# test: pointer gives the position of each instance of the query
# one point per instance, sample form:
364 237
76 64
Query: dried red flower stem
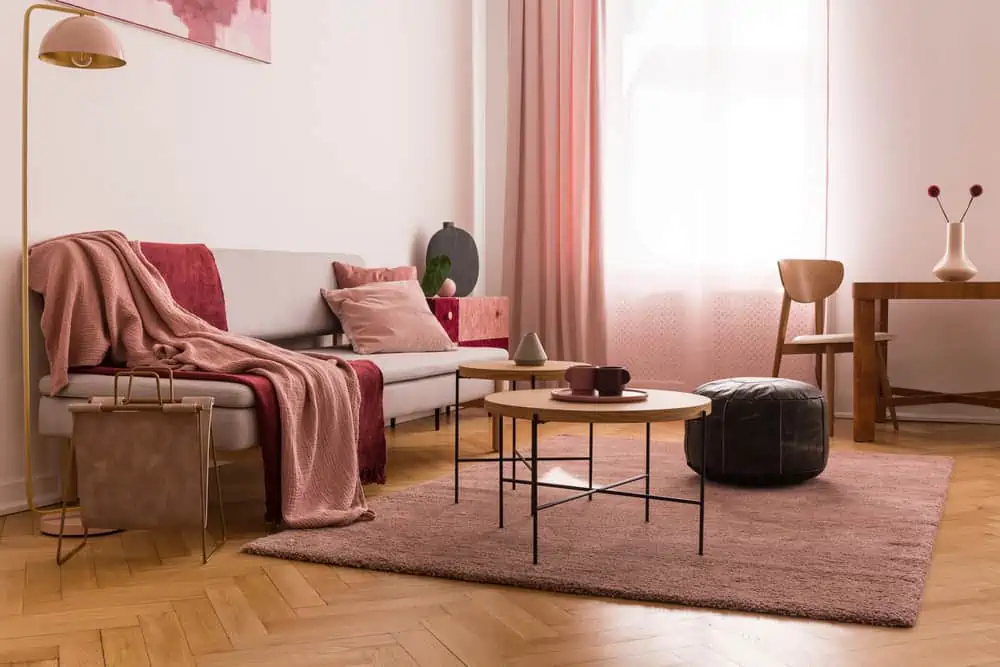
974 192
962 219
937 198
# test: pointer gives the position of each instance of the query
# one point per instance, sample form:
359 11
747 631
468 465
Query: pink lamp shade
81 42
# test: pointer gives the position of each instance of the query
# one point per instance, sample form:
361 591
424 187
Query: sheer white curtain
715 145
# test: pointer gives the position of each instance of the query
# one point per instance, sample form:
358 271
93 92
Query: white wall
358 138
915 100
496 141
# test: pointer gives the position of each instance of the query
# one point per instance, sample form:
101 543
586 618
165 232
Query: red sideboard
473 321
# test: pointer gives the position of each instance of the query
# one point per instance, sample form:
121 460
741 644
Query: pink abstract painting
242 27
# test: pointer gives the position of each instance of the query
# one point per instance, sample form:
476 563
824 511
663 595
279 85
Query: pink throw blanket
105 300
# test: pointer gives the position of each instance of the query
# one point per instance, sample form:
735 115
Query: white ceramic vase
955 265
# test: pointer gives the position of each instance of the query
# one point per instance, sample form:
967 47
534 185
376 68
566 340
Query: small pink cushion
349 275
388 317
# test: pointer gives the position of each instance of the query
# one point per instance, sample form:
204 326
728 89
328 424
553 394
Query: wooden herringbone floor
145 599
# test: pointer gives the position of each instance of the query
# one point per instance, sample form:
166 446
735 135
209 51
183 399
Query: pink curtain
714 156
553 271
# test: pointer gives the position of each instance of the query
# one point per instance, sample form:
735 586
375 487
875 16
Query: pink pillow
349 275
388 317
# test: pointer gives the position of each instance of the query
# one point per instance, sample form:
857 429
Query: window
715 136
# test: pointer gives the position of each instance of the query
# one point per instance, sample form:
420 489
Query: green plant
437 270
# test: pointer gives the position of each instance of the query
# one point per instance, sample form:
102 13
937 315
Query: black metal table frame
500 459
607 489
583 492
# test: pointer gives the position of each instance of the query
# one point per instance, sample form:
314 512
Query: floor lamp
79 42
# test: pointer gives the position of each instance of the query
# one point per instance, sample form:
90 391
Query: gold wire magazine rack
138 458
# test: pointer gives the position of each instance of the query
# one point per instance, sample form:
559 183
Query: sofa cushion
349 275
386 317
85 385
235 429
395 367
405 366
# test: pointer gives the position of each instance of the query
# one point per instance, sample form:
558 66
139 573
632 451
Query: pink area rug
852 545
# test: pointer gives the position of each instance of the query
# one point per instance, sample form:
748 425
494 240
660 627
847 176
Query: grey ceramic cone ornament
530 351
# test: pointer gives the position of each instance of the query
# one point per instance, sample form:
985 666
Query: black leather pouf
762 432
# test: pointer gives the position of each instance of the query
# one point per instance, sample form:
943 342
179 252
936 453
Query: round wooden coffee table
538 406
500 372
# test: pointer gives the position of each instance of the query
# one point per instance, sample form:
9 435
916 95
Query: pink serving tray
628 396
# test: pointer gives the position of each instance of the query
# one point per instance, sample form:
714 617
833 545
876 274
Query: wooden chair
813 281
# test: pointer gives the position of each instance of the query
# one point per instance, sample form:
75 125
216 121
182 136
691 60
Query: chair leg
831 384
819 370
777 364
885 386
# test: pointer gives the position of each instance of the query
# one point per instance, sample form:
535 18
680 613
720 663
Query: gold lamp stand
78 42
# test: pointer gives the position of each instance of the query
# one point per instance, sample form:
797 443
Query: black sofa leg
392 422
437 419
447 411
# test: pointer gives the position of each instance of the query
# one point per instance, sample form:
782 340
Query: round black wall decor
460 247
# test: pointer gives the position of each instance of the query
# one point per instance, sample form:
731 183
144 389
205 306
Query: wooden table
868 319
539 406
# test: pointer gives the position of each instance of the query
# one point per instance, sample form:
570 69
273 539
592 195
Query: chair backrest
810 280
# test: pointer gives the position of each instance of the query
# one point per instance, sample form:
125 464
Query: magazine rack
143 464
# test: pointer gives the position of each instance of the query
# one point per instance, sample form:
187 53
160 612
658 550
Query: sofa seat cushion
395 367
85 385
405 366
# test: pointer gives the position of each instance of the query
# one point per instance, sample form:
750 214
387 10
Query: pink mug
582 379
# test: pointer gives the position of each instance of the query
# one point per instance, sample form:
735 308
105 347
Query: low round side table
500 372
539 406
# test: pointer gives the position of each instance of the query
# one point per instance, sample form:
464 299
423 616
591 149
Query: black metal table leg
499 427
513 445
457 378
647 472
534 487
701 483
590 461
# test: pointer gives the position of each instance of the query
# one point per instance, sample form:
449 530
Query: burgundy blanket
193 278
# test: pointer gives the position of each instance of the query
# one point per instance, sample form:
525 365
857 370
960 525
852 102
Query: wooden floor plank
202 628
124 647
79 573
165 641
110 566
264 597
293 586
237 617
426 649
393 656
42 583
139 550
314 652
463 641
511 615
11 592
85 650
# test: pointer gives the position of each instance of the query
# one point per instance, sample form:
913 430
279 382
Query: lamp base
48 524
